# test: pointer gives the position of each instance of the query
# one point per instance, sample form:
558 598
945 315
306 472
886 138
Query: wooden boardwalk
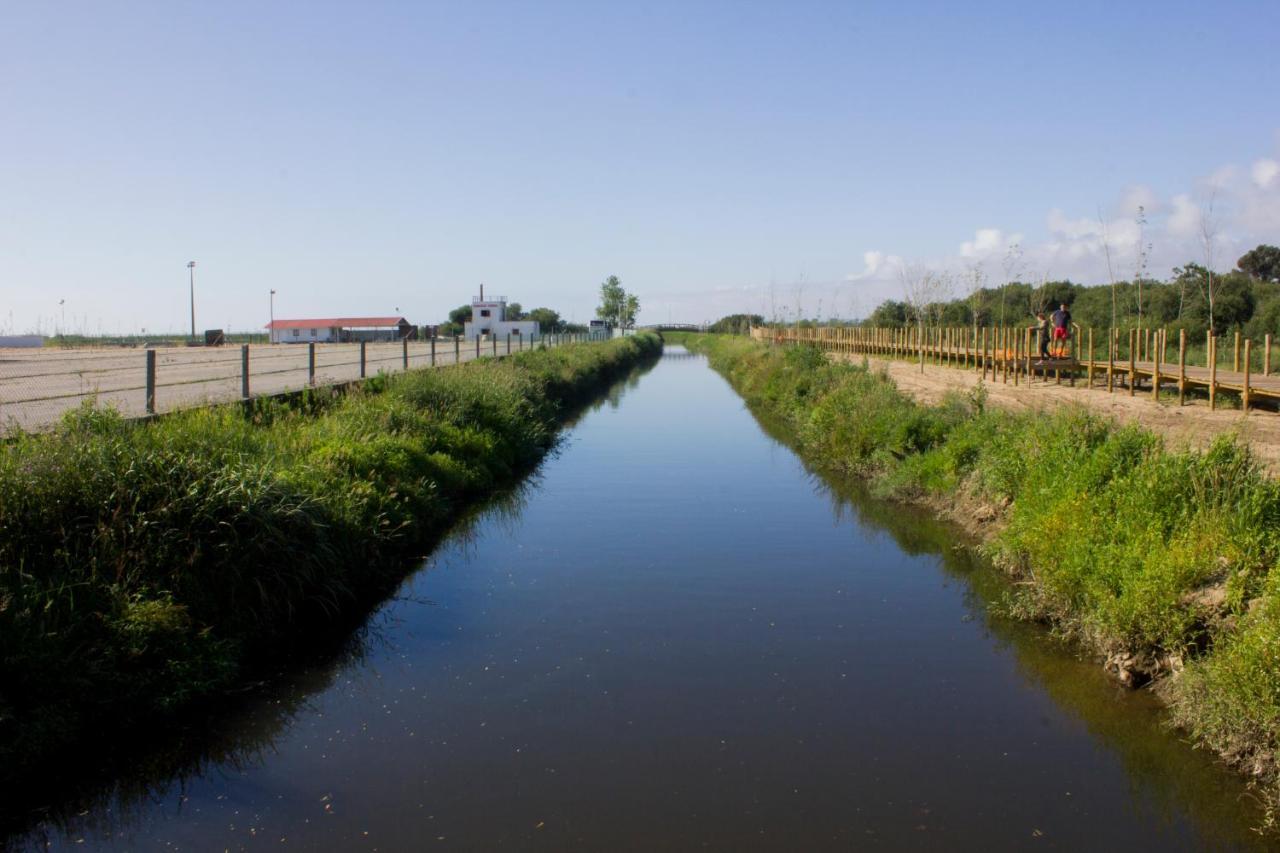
1009 356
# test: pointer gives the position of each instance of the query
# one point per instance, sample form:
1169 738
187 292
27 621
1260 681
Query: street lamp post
191 268
271 327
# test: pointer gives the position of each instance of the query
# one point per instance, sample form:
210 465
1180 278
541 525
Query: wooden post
404 352
1155 372
1089 374
151 382
1208 348
457 348
433 350
1112 343
311 363
1244 398
477 346
1004 356
244 371
1213 372
493 344
1236 354
1182 367
1133 345
363 358
1266 356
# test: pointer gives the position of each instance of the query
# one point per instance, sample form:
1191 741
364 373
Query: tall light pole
191 268
271 327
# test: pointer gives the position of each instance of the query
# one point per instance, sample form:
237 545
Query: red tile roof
340 322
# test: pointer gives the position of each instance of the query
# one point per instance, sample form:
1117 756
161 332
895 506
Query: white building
340 330
489 319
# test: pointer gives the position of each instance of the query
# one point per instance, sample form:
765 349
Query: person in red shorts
1061 330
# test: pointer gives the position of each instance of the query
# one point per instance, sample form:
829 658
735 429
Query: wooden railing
1133 357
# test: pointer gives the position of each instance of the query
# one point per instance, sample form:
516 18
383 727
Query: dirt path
1190 425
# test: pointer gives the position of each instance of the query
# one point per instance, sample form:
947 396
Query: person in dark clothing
1041 329
1061 330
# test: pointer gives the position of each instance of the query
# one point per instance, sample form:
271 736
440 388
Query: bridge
676 327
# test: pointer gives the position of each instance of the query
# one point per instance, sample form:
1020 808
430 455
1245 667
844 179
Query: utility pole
191 268
271 327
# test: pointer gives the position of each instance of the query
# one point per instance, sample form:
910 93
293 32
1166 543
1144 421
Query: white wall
318 335
501 328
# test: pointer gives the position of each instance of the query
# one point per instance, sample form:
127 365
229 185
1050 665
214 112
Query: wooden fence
1131 358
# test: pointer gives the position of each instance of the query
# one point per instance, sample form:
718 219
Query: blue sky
360 158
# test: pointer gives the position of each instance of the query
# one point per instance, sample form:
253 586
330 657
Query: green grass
143 566
1162 558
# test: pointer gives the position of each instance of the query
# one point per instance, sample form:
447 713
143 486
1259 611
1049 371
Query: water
677 637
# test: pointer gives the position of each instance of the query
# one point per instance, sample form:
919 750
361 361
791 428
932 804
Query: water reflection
679 637
108 795
1167 778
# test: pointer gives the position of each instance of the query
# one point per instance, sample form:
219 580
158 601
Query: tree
923 290
1261 263
548 320
1208 234
613 301
460 315
630 308
515 311
736 324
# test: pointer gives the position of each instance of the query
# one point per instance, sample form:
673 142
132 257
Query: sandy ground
1191 425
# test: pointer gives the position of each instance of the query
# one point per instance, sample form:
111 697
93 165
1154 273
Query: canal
676 636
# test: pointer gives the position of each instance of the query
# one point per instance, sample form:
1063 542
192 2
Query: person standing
1061 330
1041 329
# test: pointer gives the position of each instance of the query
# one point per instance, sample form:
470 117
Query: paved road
38 385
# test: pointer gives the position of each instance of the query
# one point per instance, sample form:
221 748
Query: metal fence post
404 346
311 363
151 382
493 341
244 371
433 350
508 343
477 346
457 345
363 360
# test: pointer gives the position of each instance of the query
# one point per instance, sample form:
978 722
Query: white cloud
1139 196
986 241
876 265
1264 172
1184 221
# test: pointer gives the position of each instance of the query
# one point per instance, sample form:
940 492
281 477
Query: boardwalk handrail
1005 353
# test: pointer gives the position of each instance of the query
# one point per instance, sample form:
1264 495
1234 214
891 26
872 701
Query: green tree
630 308
515 311
1261 263
548 320
736 324
613 301
460 315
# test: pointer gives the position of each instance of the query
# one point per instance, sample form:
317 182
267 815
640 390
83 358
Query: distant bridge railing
675 327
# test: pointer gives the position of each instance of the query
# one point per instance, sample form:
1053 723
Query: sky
388 158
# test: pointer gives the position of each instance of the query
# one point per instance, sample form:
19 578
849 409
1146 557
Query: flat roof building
489 319
340 330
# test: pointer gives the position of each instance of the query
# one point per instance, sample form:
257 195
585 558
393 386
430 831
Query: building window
484 312
297 332
313 332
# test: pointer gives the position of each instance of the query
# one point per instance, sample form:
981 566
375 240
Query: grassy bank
145 566
1157 559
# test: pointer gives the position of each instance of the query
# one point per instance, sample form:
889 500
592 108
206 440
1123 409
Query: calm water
676 637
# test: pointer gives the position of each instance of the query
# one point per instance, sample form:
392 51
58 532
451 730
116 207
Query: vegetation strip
144 566
1158 560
